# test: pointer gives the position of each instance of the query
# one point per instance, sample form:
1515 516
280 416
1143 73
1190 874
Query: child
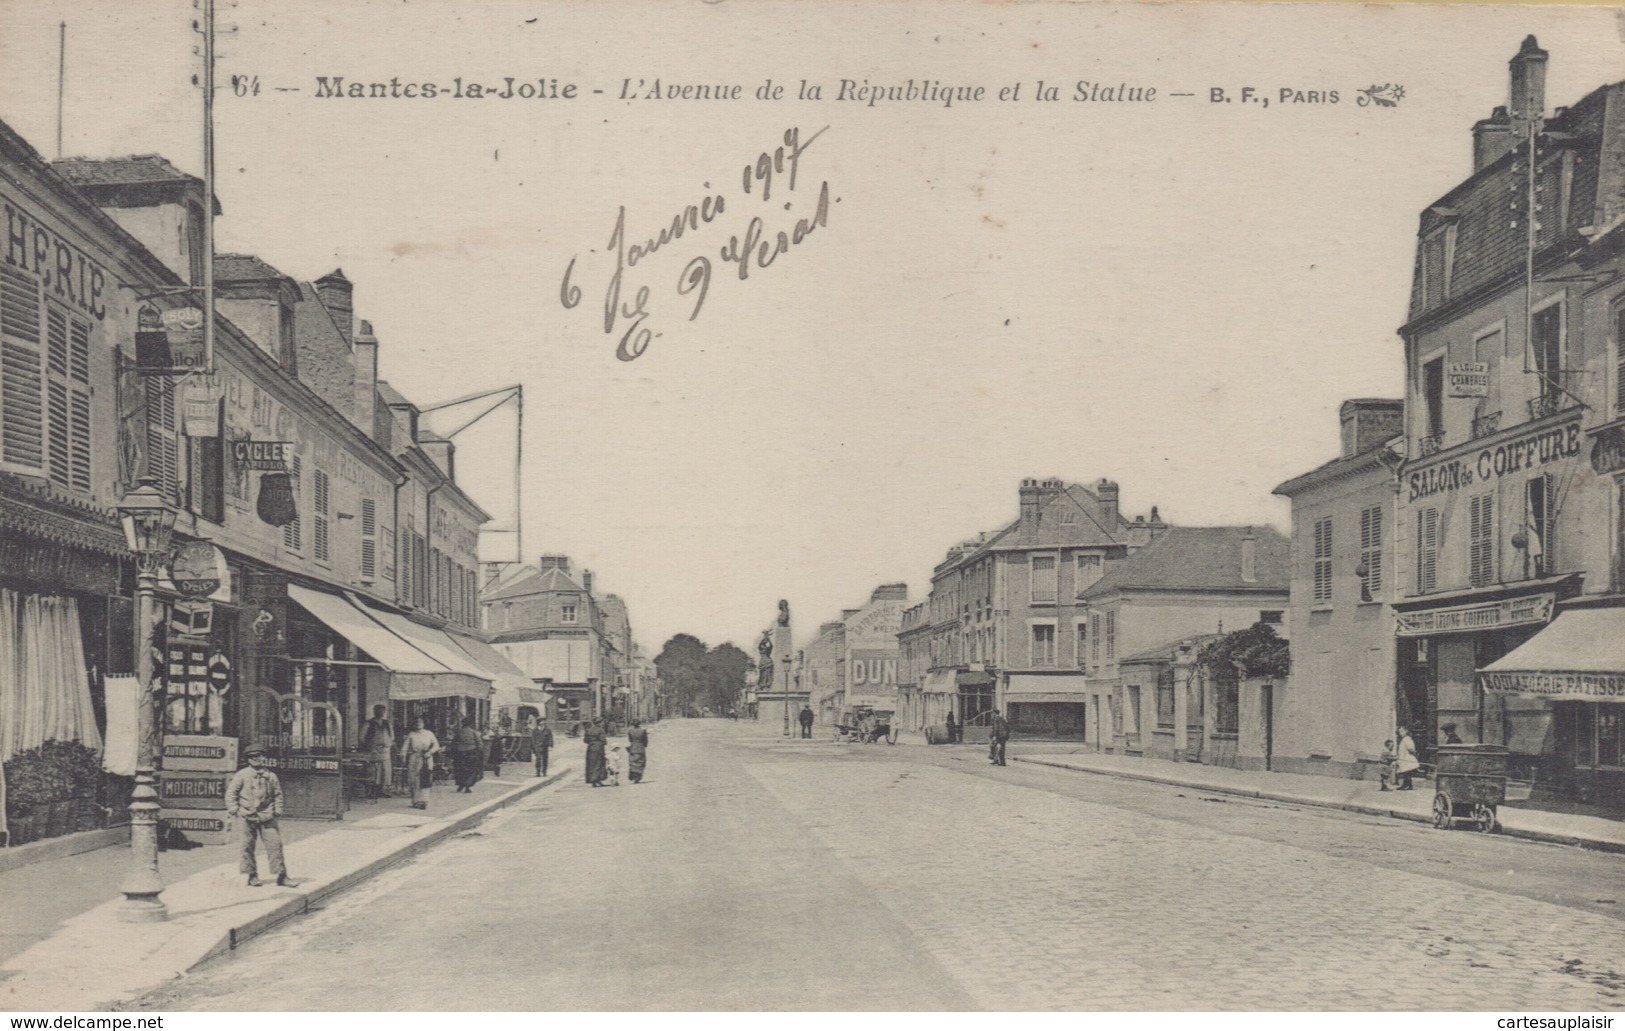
615 762
1389 759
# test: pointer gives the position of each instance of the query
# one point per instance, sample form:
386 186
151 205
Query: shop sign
1558 686
197 568
276 503
1457 619
200 413
873 668
1516 455
192 618
1608 451
171 342
303 763
192 790
1468 379
203 826
269 456
200 753
65 270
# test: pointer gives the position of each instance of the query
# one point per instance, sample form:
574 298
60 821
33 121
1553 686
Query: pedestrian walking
378 741
541 743
596 741
953 729
467 748
254 801
1389 759
806 718
637 752
614 763
997 740
419 750
1406 764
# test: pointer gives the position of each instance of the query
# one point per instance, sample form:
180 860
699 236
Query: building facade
1340 708
1508 513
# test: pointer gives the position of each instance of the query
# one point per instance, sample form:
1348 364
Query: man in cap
254 799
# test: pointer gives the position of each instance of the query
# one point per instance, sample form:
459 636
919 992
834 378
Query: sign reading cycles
1537 449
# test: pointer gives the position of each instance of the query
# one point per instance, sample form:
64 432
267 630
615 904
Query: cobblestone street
752 873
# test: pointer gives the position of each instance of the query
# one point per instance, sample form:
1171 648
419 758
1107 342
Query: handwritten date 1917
629 308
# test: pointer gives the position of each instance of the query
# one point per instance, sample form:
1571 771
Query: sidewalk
67 950
1355 796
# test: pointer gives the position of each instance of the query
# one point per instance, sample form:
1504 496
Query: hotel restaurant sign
1490 615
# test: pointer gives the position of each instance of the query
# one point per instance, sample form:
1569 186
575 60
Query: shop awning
355 626
1580 656
1037 687
939 682
432 642
511 682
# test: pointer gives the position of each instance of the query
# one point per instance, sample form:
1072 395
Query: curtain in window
44 687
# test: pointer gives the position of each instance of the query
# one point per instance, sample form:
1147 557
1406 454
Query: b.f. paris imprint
629 307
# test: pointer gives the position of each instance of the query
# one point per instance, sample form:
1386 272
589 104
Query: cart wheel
1441 811
1484 818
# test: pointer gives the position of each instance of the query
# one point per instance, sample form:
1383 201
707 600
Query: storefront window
1608 735
1585 735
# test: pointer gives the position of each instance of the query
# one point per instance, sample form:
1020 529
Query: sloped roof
390 395
236 268
1166 649
1199 558
532 582
135 168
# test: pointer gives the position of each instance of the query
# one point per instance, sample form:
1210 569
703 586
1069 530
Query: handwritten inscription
630 306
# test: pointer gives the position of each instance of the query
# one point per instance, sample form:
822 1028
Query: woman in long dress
596 740
637 752
419 748
467 756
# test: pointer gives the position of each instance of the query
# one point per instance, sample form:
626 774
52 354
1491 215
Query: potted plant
52 790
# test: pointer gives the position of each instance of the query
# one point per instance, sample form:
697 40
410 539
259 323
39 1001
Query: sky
1175 294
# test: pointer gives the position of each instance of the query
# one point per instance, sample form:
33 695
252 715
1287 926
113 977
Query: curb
1594 844
319 891
17 857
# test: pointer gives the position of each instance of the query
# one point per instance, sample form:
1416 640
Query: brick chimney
586 580
366 378
1106 491
559 562
337 296
1030 494
1492 137
1249 556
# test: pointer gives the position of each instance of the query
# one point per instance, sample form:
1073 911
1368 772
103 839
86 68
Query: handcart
1470 781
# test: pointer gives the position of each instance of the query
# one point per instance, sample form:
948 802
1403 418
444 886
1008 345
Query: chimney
1492 137
586 580
890 592
1526 96
366 377
1030 495
337 296
1106 491
559 562
1249 556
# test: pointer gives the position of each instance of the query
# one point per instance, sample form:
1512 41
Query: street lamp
149 523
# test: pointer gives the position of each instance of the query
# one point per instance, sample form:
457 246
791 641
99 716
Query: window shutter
22 385
163 440
369 539
79 404
292 532
319 525
1323 559
1481 540
1427 550
404 557
1371 549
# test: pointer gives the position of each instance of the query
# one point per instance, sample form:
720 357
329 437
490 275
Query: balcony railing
1486 424
1546 404
1431 445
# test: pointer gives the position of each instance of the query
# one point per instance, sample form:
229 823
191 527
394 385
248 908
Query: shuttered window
1371 553
67 399
22 424
1323 559
1427 550
1538 525
320 526
369 539
1094 636
293 531
1111 635
163 436
206 470
1481 540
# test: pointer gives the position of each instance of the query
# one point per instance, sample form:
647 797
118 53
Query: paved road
751 874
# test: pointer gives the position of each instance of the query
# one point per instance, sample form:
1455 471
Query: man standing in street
254 800
1000 735
541 743
953 730
806 718
378 740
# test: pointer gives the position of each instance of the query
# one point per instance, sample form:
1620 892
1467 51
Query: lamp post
148 523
